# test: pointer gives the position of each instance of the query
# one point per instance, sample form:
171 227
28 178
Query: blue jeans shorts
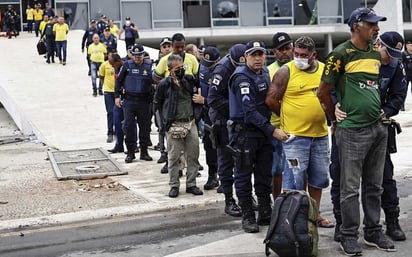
306 156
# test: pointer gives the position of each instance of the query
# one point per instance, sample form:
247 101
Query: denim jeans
94 67
306 156
362 158
109 103
190 146
61 46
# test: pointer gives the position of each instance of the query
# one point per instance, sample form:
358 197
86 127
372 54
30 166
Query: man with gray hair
173 97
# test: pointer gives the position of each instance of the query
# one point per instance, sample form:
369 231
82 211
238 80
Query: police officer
407 60
109 40
10 21
250 134
207 63
135 77
218 101
101 24
88 39
50 43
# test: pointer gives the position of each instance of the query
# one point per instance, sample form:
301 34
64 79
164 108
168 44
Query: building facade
224 22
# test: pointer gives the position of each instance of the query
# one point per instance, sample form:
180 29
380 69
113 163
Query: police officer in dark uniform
218 101
135 77
101 24
109 40
9 17
407 60
393 90
250 134
88 39
50 42
207 63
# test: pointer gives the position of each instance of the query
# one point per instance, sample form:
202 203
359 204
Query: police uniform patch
216 79
244 88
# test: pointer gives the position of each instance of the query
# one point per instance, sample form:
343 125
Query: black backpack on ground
293 231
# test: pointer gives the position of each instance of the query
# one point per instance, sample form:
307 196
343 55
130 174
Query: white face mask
301 63
128 23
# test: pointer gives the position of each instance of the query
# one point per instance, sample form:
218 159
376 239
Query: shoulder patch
216 79
244 88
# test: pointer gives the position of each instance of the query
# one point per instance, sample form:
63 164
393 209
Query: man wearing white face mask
294 89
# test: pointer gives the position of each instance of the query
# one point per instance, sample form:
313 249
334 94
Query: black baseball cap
281 39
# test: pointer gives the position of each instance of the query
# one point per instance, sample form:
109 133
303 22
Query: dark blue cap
237 54
394 43
137 50
364 14
201 49
210 56
255 45
281 39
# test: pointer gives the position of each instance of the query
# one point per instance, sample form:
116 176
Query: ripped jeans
306 156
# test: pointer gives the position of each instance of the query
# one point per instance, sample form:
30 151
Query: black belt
185 119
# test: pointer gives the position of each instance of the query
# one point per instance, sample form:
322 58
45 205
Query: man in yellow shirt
29 18
293 92
106 73
113 28
43 23
38 17
190 64
97 53
60 30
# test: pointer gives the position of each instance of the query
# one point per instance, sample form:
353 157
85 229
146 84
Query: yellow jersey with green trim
301 113
354 73
97 52
190 65
273 68
114 30
61 31
106 70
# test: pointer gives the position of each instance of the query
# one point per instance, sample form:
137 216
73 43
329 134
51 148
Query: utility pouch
393 129
179 130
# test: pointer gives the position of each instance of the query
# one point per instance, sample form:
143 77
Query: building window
196 14
225 12
279 12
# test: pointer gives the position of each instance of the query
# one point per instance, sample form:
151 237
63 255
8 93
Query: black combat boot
212 181
393 229
264 210
231 208
144 155
249 224
130 157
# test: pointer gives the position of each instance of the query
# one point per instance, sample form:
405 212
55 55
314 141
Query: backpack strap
274 219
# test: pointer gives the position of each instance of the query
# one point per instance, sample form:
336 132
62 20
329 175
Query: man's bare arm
277 89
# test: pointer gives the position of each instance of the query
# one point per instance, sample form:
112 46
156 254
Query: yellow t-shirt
273 68
97 52
38 14
301 113
61 31
29 14
106 70
114 29
189 63
43 25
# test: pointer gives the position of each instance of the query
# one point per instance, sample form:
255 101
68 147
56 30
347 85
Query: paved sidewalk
55 103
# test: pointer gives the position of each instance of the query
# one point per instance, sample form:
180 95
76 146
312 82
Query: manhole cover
84 164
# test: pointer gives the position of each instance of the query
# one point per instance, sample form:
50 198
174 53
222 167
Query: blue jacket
393 87
247 96
218 96
135 80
